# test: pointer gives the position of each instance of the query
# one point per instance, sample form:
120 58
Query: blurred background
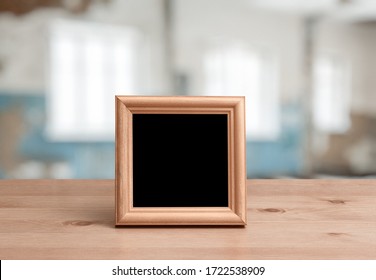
306 67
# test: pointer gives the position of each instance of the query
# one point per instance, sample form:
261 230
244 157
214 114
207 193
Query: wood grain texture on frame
233 107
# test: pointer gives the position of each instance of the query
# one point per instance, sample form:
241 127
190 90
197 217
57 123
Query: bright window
89 63
332 90
244 71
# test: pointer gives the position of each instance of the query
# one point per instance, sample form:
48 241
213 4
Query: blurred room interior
306 67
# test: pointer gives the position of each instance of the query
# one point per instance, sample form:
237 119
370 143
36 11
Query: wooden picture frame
135 116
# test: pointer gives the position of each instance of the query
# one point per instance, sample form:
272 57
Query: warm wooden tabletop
287 219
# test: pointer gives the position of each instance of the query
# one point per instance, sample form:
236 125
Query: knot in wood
78 223
272 210
337 201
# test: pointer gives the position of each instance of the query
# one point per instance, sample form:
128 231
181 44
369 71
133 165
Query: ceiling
20 7
347 10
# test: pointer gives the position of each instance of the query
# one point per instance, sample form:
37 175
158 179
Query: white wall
23 43
199 23
356 147
357 44
23 50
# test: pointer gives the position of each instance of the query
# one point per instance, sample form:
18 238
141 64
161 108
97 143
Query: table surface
287 219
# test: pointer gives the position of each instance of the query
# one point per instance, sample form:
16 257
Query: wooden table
287 219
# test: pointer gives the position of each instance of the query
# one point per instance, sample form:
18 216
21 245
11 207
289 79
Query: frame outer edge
240 160
119 158
184 101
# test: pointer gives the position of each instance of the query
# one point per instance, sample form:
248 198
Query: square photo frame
180 160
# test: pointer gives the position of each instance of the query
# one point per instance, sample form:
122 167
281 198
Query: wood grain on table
287 219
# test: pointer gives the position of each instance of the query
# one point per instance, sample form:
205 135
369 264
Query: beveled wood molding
234 108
